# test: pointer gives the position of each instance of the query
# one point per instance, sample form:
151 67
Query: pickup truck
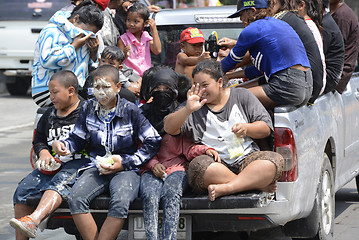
319 144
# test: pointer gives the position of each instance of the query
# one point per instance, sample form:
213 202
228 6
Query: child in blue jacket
110 126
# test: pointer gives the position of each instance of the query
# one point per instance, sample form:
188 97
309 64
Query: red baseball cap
192 35
103 3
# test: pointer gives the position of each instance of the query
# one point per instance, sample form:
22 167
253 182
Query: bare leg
258 175
49 202
111 228
21 210
262 97
86 226
217 173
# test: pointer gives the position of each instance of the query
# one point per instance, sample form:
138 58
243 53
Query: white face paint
104 92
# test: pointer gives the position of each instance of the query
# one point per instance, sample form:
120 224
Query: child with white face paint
111 128
105 91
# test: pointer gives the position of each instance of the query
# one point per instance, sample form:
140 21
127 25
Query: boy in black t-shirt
53 177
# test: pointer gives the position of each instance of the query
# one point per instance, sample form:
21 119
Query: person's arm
255 130
149 137
77 139
93 44
235 74
40 138
185 60
174 121
126 49
155 44
227 42
239 53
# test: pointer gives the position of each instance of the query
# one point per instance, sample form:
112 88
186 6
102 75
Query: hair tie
129 6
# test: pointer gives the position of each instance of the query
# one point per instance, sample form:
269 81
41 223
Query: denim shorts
37 182
290 86
123 188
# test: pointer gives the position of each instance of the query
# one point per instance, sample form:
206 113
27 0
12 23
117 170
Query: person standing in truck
228 120
277 53
65 44
348 24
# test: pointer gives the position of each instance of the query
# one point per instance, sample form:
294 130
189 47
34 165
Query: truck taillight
284 144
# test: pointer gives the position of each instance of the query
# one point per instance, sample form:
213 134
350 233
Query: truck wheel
19 86
326 202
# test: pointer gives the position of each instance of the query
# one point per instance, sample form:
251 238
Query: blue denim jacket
120 136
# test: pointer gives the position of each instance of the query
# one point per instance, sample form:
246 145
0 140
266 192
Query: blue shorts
37 182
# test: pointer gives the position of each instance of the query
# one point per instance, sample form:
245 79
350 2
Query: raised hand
194 95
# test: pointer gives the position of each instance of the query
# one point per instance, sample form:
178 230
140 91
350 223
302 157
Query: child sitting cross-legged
111 127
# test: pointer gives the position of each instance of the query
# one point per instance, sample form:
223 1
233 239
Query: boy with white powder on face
110 126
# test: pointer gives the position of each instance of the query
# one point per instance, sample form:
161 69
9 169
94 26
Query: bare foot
218 190
271 188
212 192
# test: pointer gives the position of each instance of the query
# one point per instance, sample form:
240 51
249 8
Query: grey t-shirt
214 129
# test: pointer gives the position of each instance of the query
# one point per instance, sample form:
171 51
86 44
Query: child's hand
60 148
114 168
127 51
204 56
158 170
240 129
214 154
151 23
194 101
44 159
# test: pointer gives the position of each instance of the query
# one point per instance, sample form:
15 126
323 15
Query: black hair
89 14
140 9
210 67
184 84
113 53
314 11
106 71
288 5
67 79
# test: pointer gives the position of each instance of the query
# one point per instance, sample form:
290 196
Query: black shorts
290 86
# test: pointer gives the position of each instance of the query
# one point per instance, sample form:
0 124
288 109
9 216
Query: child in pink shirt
136 43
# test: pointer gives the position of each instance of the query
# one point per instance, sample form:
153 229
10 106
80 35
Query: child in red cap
192 40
